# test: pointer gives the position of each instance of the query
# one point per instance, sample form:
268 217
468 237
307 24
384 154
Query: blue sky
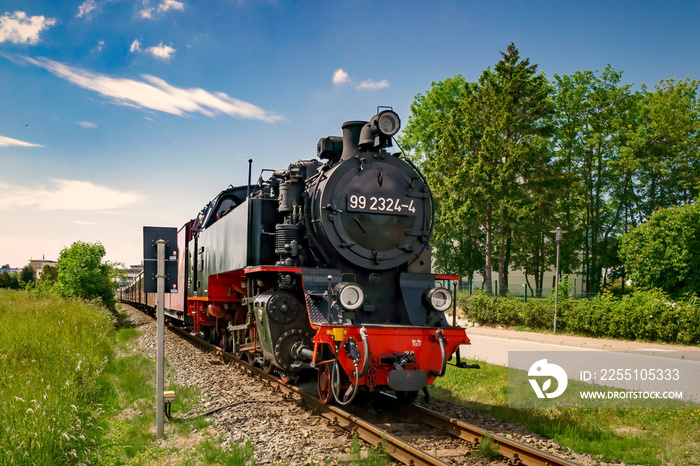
117 114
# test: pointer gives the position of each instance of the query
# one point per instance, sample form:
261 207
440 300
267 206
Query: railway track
378 432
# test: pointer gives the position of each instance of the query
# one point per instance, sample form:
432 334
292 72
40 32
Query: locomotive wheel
250 357
267 366
324 384
206 334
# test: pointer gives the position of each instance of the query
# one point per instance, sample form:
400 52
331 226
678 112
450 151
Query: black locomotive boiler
323 269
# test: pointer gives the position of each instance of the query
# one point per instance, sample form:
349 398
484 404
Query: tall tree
484 148
512 111
594 114
511 156
435 135
663 148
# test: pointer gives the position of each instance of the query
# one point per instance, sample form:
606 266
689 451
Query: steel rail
512 449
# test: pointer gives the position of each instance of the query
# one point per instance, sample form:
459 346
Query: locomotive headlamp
350 296
388 123
438 299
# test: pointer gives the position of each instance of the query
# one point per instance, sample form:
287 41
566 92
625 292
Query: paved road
492 345
616 363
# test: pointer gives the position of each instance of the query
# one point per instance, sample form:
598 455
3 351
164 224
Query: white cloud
20 29
165 5
100 46
373 85
340 77
88 124
7 142
86 8
65 195
85 222
160 51
170 5
156 94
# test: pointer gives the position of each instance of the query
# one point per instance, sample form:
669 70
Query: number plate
381 205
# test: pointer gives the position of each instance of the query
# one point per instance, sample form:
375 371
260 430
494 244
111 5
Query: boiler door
374 212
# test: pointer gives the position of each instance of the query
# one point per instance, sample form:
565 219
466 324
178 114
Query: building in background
131 273
38 266
9 270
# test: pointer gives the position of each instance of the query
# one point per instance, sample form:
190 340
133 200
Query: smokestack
351 138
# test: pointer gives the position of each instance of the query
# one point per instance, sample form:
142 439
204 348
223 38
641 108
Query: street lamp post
558 232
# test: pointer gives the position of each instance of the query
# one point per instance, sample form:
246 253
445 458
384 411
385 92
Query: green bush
642 315
664 252
82 274
482 308
537 314
585 318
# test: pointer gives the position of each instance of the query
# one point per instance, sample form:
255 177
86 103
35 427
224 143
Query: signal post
160 276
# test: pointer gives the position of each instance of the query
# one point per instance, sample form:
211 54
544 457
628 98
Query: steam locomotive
323 269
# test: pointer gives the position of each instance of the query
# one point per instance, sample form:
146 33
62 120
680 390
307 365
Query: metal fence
516 291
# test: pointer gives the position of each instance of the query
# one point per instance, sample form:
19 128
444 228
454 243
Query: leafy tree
49 274
27 275
624 154
484 149
4 280
594 117
436 136
82 274
515 108
664 252
512 156
10 280
664 145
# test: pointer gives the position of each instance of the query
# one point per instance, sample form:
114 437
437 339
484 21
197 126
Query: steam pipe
336 389
441 340
365 347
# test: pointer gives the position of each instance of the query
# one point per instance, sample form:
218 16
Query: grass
651 436
51 354
487 448
66 397
130 426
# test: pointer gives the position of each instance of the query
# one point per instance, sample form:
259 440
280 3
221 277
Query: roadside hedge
642 315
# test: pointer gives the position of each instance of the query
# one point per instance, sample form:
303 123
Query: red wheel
285 378
324 384
267 366
250 357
